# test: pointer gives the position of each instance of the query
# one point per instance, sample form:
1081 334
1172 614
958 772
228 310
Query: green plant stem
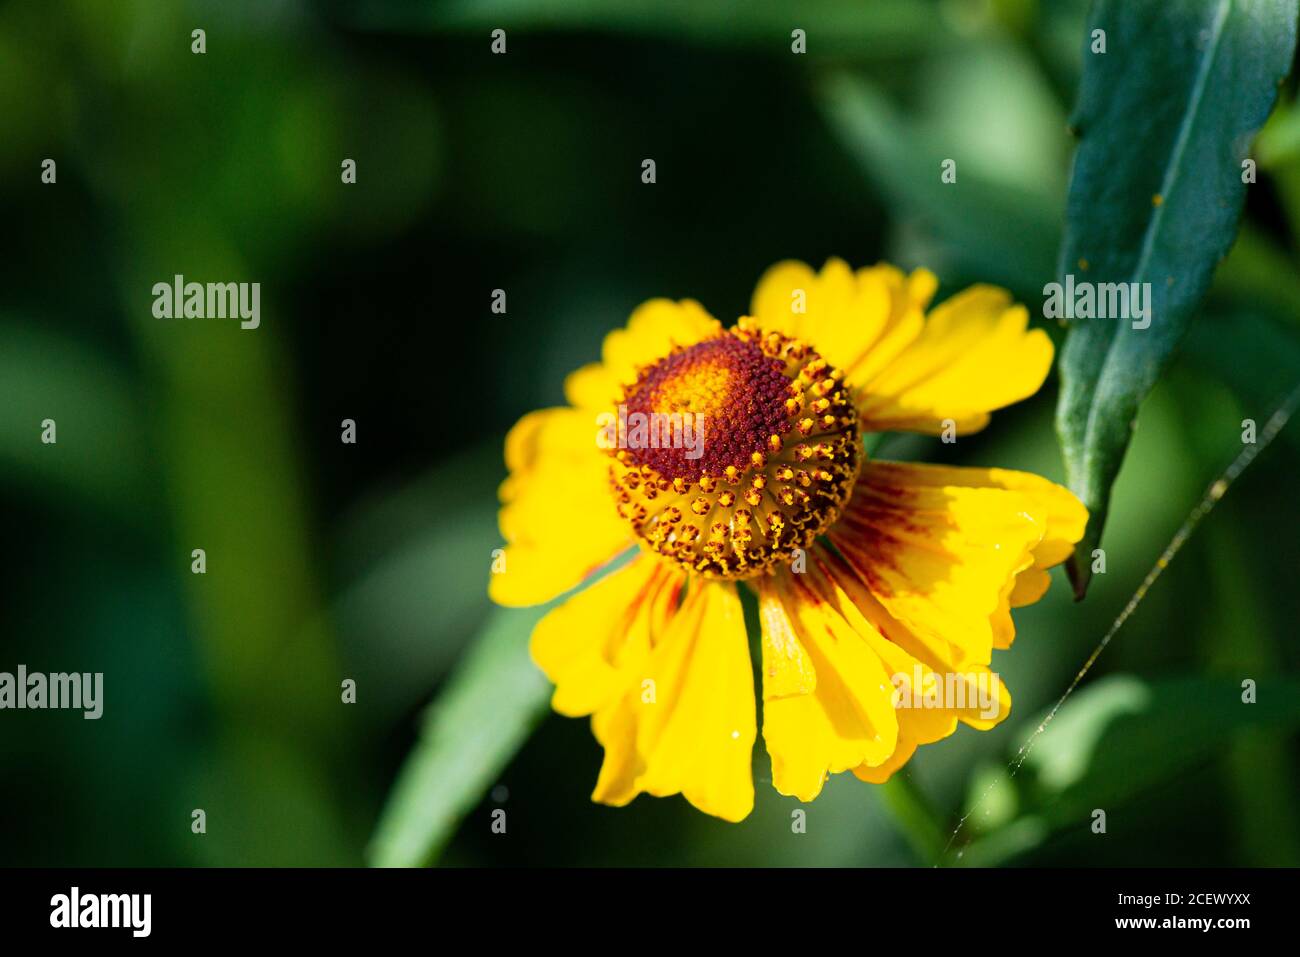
915 816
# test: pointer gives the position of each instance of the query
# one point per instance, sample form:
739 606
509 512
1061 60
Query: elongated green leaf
487 710
1166 116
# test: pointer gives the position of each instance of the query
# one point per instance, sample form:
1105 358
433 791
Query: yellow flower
883 588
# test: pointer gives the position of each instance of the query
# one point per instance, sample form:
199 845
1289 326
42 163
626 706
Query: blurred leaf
1068 748
1019 837
882 27
226 440
1259 273
100 450
1279 140
989 108
993 795
1253 355
1242 637
491 703
999 230
1121 736
1166 115
267 804
414 559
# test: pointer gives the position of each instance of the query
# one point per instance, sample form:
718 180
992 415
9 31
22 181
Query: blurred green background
522 172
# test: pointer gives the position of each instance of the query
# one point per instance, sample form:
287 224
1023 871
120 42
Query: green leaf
1120 736
1279 141
1258 273
101 446
1166 116
1254 356
997 229
490 705
1117 738
394 630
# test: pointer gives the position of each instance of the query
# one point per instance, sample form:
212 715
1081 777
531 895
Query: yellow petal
974 695
687 721
615 725
1031 585
847 719
590 644
973 355
970 356
557 516
698 736
781 298
938 555
927 701
880 773
787 669
852 319
592 387
1061 516
615 729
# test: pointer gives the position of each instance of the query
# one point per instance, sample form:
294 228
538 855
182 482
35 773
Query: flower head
778 465
882 588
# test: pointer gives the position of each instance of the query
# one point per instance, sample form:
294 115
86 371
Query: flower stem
914 815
